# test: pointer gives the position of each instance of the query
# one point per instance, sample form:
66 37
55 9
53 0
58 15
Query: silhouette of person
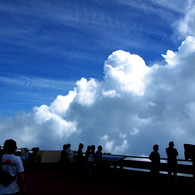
155 163
80 157
99 159
35 158
69 155
91 160
69 151
63 162
172 162
92 152
99 162
80 160
25 157
14 166
87 153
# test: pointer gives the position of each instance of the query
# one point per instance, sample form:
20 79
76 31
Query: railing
139 163
136 163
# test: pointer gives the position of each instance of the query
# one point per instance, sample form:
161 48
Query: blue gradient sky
116 73
46 46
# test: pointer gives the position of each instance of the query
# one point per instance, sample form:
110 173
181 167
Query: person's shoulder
8 156
17 159
152 153
11 158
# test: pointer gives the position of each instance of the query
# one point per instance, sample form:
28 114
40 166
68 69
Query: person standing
155 163
80 160
98 156
25 157
99 162
69 159
172 162
80 157
63 162
14 166
91 161
69 152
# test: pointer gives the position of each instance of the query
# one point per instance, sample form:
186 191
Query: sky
116 73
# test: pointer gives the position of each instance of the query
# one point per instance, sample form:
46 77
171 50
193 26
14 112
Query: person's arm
176 152
167 151
150 157
21 183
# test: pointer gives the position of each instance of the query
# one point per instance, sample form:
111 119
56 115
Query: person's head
65 146
100 148
171 144
93 147
81 146
155 147
10 146
68 145
88 147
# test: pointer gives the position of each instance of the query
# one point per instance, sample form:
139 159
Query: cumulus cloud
132 108
125 72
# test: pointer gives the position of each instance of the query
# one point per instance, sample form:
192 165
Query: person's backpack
5 177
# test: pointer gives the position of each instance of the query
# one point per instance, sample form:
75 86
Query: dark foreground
49 183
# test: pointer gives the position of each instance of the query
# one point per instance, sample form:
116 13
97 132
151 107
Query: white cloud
108 144
126 71
134 107
121 148
186 26
110 93
86 91
62 103
61 127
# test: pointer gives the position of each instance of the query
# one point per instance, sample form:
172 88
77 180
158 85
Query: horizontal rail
128 161
142 163
147 157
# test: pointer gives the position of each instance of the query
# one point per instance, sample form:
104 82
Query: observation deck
122 175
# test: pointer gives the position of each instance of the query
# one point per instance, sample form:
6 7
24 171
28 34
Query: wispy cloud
36 83
155 5
171 5
186 25
41 26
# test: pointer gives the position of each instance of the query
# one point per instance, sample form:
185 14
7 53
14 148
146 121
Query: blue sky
116 73
46 46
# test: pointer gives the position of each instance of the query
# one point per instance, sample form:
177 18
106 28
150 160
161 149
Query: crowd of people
83 166
85 161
